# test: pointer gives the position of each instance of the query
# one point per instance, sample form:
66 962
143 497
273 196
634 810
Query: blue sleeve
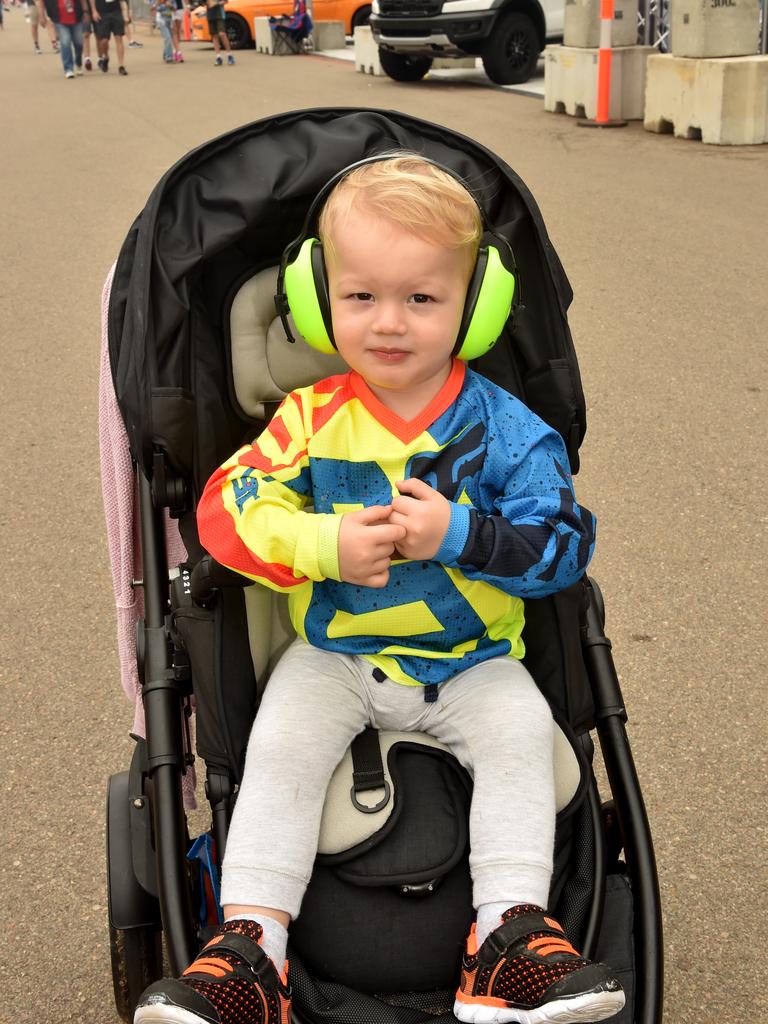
534 538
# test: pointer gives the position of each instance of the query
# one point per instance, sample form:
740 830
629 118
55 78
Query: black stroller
198 361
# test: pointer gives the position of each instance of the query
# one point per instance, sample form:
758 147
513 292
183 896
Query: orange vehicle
240 15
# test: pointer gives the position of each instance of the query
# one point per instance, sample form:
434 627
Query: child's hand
366 543
425 514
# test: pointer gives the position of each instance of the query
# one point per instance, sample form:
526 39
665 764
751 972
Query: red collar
408 430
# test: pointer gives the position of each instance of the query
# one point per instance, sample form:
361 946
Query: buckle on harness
376 807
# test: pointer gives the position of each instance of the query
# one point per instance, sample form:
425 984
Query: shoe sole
590 1007
166 1013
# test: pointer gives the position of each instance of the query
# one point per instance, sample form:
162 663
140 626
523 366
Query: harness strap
367 766
255 960
514 929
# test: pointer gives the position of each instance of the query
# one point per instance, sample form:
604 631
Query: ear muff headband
302 286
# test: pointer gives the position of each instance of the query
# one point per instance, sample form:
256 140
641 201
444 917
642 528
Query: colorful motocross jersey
273 511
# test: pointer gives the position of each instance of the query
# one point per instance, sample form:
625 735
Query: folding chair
290 32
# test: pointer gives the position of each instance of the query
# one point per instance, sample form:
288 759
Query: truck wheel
238 31
403 68
512 50
361 16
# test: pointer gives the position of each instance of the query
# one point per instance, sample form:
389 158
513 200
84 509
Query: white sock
274 939
489 918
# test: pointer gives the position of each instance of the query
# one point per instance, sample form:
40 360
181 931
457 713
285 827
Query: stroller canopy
229 208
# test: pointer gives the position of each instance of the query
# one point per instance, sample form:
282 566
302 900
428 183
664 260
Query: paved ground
665 243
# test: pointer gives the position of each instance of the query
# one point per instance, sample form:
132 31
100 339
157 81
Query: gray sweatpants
492 717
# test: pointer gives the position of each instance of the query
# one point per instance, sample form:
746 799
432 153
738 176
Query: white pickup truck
508 35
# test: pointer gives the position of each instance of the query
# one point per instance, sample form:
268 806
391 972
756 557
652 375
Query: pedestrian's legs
102 42
127 21
77 42
120 47
65 47
225 40
165 31
34 23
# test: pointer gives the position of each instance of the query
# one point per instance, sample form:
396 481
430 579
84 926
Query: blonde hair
412 193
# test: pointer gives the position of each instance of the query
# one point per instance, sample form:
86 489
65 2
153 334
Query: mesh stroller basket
194 381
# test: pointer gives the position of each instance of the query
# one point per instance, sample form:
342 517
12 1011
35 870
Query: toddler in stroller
438 502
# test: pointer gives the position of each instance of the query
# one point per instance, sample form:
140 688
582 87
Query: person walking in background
108 21
37 19
87 33
130 35
217 27
163 11
178 18
67 16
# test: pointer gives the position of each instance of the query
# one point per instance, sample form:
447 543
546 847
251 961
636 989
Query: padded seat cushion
265 365
344 826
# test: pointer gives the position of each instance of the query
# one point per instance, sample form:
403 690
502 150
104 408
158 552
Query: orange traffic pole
604 62
187 24
602 115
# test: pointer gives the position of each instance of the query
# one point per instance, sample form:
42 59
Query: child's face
396 303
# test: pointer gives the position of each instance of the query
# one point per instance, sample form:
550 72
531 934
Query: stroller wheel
135 934
137 961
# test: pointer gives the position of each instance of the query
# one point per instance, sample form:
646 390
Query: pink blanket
118 484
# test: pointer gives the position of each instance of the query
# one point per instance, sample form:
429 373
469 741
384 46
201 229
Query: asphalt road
666 245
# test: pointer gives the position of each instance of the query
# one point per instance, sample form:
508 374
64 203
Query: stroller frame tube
611 717
592 929
162 697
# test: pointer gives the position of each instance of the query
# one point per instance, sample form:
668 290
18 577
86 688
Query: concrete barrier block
570 81
366 52
720 100
328 35
262 35
581 26
715 28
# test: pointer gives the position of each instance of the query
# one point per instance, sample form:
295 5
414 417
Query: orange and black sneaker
231 981
527 971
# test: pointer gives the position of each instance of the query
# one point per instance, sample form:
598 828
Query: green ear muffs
305 285
490 297
489 302
302 286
